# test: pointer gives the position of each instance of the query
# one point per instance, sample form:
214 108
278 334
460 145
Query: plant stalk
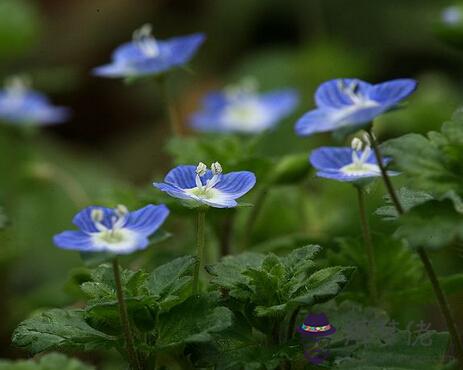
368 243
124 317
200 241
438 292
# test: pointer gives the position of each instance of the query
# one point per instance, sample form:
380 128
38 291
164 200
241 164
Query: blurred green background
114 145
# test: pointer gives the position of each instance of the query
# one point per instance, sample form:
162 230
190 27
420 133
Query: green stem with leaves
200 241
438 291
372 285
124 317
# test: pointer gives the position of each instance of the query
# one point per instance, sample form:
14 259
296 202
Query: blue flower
347 164
352 103
147 56
241 109
116 231
21 105
451 15
199 186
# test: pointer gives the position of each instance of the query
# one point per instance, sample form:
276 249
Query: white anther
216 168
145 40
201 169
121 210
356 144
97 215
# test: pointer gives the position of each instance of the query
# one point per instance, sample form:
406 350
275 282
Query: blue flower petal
147 219
75 240
222 203
318 120
329 94
336 175
182 177
280 102
129 60
329 158
83 220
236 184
392 92
183 48
172 190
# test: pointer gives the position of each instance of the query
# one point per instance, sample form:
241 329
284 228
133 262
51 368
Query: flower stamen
145 41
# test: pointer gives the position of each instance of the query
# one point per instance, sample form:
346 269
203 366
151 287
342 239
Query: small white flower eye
143 31
216 168
97 215
201 169
356 144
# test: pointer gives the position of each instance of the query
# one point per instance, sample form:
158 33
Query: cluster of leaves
52 361
434 169
259 295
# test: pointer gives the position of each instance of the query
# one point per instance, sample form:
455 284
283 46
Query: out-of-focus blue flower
145 55
242 109
21 105
451 15
352 103
116 231
199 186
347 164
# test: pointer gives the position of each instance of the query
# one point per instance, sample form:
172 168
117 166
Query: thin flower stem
372 285
438 292
171 111
200 241
227 233
124 317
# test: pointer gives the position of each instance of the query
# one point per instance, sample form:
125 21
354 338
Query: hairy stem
438 292
124 317
171 111
200 241
372 285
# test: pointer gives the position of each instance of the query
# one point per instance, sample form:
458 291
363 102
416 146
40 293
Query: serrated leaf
275 285
408 199
170 284
431 225
60 329
197 320
52 361
433 163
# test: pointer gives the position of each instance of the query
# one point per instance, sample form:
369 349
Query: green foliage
52 361
433 163
366 338
431 225
59 329
397 266
267 286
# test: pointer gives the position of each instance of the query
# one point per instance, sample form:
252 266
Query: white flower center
245 114
206 191
359 101
15 89
359 165
116 236
146 42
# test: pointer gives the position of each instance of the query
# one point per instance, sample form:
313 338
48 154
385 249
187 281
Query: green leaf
408 199
273 286
431 225
401 354
397 265
433 163
59 329
171 283
197 320
52 361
